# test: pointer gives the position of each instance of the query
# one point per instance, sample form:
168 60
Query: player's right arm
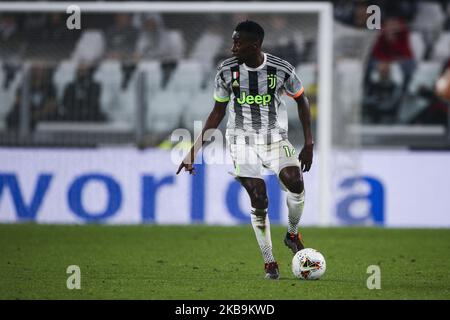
222 97
213 121
294 88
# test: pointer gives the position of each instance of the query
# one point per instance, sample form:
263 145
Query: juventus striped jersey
254 96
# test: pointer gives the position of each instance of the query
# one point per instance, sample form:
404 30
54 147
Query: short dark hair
251 28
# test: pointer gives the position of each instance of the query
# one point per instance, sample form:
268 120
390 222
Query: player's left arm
304 113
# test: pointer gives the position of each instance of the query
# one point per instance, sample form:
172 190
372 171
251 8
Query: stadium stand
160 50
417 45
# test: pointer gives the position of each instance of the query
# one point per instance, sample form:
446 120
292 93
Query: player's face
243 47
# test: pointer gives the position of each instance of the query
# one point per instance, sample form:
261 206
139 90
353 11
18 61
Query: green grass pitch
206 262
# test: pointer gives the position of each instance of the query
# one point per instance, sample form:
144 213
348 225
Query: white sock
295 203
261 226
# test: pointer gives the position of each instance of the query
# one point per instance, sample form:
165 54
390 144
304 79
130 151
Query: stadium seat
186 79
396 73
126 114
151 71
425 75
164 111
177 45
429 18
166 107
199 108
206 48
90 46
109 75
64 74
153 76
441 50
417 45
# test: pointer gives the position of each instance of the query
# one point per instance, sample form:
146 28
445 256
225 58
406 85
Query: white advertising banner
128 186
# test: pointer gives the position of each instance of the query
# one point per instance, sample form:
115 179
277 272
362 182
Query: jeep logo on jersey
262 100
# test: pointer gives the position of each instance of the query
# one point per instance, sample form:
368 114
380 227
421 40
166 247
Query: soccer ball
308 264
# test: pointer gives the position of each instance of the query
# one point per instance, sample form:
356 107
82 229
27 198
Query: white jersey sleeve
221 90
293 85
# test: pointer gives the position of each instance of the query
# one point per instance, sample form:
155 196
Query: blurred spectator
157 42
343 11
405 9
42 99
208 47
58 41
352 39
352 13
48 36
447 16
34 26
282 43
11 48
56 30
9 74
8 27
150 43
81 101
121 38
360 15
429 21
209 43
383 96
392 45
121 41
438 100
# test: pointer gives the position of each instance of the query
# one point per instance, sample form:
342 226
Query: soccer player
250 85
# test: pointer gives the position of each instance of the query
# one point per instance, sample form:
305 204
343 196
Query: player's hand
306 156
187 167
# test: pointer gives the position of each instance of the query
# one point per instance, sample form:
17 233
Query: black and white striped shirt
254 96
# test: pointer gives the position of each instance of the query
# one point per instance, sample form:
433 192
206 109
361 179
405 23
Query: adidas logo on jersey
262 100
